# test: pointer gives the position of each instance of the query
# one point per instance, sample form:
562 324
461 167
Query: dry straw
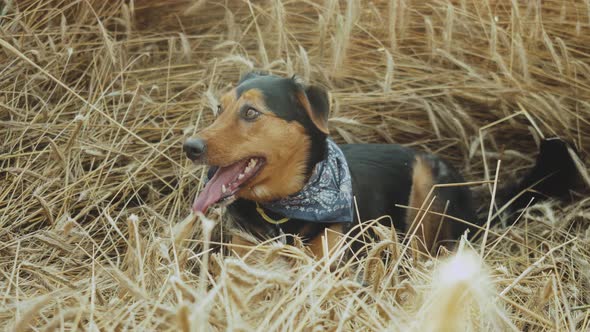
96 98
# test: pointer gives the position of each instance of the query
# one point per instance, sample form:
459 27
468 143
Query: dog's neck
326 196
318 151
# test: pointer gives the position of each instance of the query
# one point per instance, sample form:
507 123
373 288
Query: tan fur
321 124
240 246
254 96
284 145
432 228
331 236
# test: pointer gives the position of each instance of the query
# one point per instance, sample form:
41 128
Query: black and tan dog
274 165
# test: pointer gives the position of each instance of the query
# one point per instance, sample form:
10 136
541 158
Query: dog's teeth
251 164
223 188
241 176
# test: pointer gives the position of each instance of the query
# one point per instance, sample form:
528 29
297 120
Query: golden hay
96 98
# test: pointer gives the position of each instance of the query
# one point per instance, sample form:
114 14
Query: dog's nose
194 148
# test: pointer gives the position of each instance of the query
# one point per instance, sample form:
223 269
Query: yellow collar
269 219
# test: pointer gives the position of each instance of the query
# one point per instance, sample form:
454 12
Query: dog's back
412 188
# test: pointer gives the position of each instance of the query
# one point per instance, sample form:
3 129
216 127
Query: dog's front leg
326 244
241 246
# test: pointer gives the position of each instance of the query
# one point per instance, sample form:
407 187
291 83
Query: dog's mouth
226 182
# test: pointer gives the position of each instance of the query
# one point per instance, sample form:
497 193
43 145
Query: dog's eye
250 114
219 110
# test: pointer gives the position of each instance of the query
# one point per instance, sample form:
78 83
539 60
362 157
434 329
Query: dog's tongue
212 194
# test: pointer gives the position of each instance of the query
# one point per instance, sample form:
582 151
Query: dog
274 166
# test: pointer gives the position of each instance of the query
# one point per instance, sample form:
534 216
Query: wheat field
96 98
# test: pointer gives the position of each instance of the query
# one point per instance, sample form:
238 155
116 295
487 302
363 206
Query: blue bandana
327 196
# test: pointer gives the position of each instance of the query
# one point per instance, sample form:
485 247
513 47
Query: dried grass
97 96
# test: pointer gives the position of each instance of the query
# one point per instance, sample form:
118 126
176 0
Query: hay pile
96 98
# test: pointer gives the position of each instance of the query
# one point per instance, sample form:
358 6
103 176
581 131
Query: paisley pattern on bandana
327 196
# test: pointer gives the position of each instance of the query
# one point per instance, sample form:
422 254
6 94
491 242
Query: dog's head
269 133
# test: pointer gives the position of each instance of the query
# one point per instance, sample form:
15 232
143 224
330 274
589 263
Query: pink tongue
212 194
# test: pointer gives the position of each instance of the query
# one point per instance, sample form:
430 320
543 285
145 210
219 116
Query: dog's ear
317 105
250 75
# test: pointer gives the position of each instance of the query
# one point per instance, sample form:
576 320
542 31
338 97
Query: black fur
553 175
382 173
280 96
